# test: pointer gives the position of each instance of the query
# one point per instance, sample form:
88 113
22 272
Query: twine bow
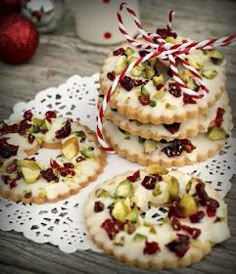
156 46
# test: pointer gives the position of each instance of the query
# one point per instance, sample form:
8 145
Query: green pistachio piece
188 205
149 146
156 191
195 61
87 152
158 80
121 64
119 240
136 71
124 189
159 94
144 91
129 51
120 211
209 74
148 72
216 56
100 192
216 134
138 237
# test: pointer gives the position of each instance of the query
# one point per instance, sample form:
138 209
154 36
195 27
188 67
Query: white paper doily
61 223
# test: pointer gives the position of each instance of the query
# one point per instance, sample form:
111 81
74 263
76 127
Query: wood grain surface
61 55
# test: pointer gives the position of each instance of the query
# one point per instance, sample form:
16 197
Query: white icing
211 231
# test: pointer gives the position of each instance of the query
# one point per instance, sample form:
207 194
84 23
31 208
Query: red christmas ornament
7 6
18 39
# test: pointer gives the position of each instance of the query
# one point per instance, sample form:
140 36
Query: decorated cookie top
196 218
63 157
149 93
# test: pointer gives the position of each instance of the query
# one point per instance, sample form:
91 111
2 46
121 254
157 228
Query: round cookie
149 94
116 219
189 128
178 152
70 159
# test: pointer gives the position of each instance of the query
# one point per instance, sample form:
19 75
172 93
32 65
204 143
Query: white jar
96 21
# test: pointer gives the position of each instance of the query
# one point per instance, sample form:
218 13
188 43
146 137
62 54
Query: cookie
53 172
149 94
116 216
179 152
188 128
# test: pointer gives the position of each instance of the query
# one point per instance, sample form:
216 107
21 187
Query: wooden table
61 55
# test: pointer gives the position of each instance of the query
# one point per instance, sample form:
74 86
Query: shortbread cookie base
132 252
189 128
134 151
65 189
127 104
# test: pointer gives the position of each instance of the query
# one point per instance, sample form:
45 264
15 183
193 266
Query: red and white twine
158 47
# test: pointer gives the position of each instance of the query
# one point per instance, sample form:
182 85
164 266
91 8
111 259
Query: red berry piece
179 246
111 75
194 232
173 150
49 115
166 32
23 127
143 53
151 248
119 51
54 164
144 99
188 99
28 195
11 168
149 182
5 179
49 175
139 82
174 210
134 177
203 196
13 184
64 131
68 165
187 145
219 117
197 217
127 83
174 89
98 206
5 129
176 224
31 138
7 150
28 115
172 128
80 159
111 228
212 206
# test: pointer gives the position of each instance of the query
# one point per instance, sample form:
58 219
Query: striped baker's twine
163 50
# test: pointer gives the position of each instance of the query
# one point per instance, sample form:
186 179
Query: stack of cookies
150 120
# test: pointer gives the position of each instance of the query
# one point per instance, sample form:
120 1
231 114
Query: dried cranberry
187 145
31 138
68 165
127 83
98 206
219 117
149 182
28 195
43 130
111 228
13 184
172 128
158 87
166 32
119 51
144 99
143 53
111 75
174 210
151 248
175 149
80 159
174 89
203 196
23 127
5 179
49 175
28 115
196 218
65 172
54 164
49 115
188 99
176 224
7 150
194 232
12 167
134 177
179 246
139 82
212 206
64 131
5 129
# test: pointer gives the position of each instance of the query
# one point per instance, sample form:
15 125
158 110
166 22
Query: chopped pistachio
209 74
121 64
